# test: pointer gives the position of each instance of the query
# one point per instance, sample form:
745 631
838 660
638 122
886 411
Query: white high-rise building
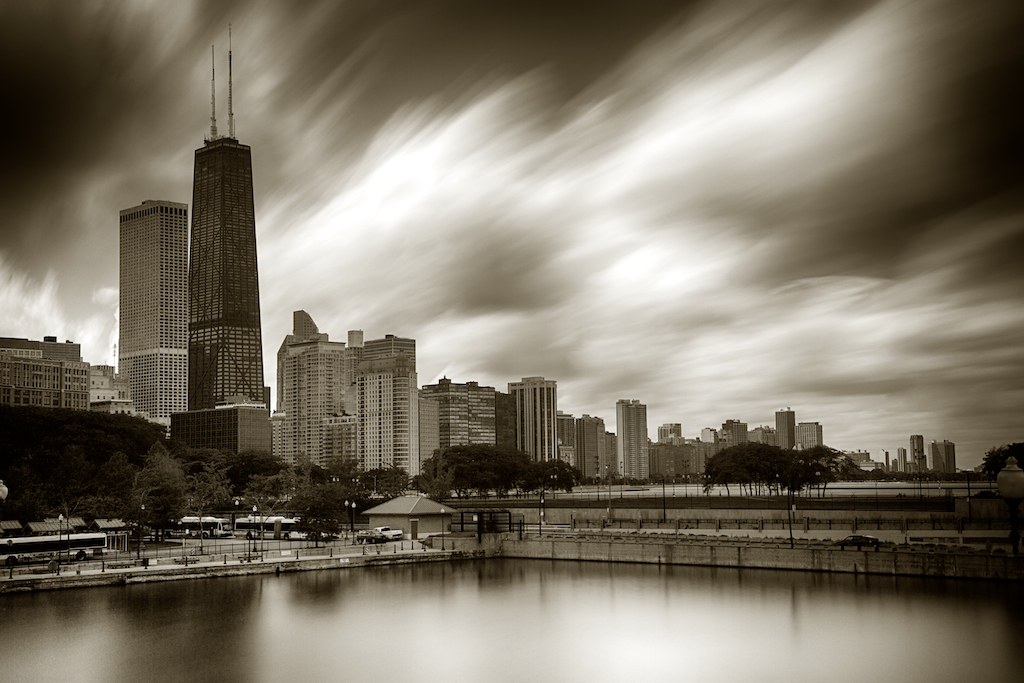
536 402
153 327
631 438
388 399
311 387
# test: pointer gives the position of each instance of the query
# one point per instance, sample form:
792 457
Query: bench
185 560
248 558
120 565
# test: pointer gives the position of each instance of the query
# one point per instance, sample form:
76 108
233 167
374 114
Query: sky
717 208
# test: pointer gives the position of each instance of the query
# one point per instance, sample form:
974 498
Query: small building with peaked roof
10 527
416 516
107 525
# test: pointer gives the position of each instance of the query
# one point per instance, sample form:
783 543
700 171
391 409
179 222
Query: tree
267 493
159 490
241 467
995 459
387 482
435 481
207 490
321 509
113 488
558 474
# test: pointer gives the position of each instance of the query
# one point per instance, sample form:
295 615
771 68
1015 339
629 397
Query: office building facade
943 456
917 455
808 435
589 447
465 412
785 428
236 428
733 433
225 349
152 352
536 401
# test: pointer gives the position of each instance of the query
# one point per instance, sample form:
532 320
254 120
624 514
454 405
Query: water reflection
512 620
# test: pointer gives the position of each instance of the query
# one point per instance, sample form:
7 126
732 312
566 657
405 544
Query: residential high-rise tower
311 387
631 438
152 346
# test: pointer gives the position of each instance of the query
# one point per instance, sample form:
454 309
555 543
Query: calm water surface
520 620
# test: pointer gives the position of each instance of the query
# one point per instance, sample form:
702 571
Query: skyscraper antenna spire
231 115
213 95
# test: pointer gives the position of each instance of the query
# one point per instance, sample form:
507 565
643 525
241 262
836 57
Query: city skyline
818 212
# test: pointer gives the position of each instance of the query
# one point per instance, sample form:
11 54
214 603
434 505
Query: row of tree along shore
94 465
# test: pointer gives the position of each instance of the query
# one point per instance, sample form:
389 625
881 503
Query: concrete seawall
900 561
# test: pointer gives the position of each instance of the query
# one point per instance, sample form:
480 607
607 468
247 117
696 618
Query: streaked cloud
718 208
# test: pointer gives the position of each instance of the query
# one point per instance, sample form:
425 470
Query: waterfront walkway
125 570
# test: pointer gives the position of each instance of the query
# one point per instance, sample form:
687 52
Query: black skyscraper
225 350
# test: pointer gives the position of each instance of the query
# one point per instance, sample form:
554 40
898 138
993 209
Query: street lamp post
540 511
60 526
255 517
442 528
664 512
138 546
1011 487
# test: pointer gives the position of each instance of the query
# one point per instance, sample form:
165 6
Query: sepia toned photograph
511 340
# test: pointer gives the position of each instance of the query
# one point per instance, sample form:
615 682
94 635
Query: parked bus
273 527
64 547
209 527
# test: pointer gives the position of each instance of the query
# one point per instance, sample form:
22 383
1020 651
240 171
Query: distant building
235 427
943 456
42 382
154 307
858 456
763 434
733 433
916 454
311 387
610 464
673 462
388 413
785 428
669 430
536 401
631 441
590 443
49 348
430 428
808 435
465 412
390 346
109 392
901 460
565 431
339 438
505 420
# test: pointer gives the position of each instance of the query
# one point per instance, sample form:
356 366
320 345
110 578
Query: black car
859 541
